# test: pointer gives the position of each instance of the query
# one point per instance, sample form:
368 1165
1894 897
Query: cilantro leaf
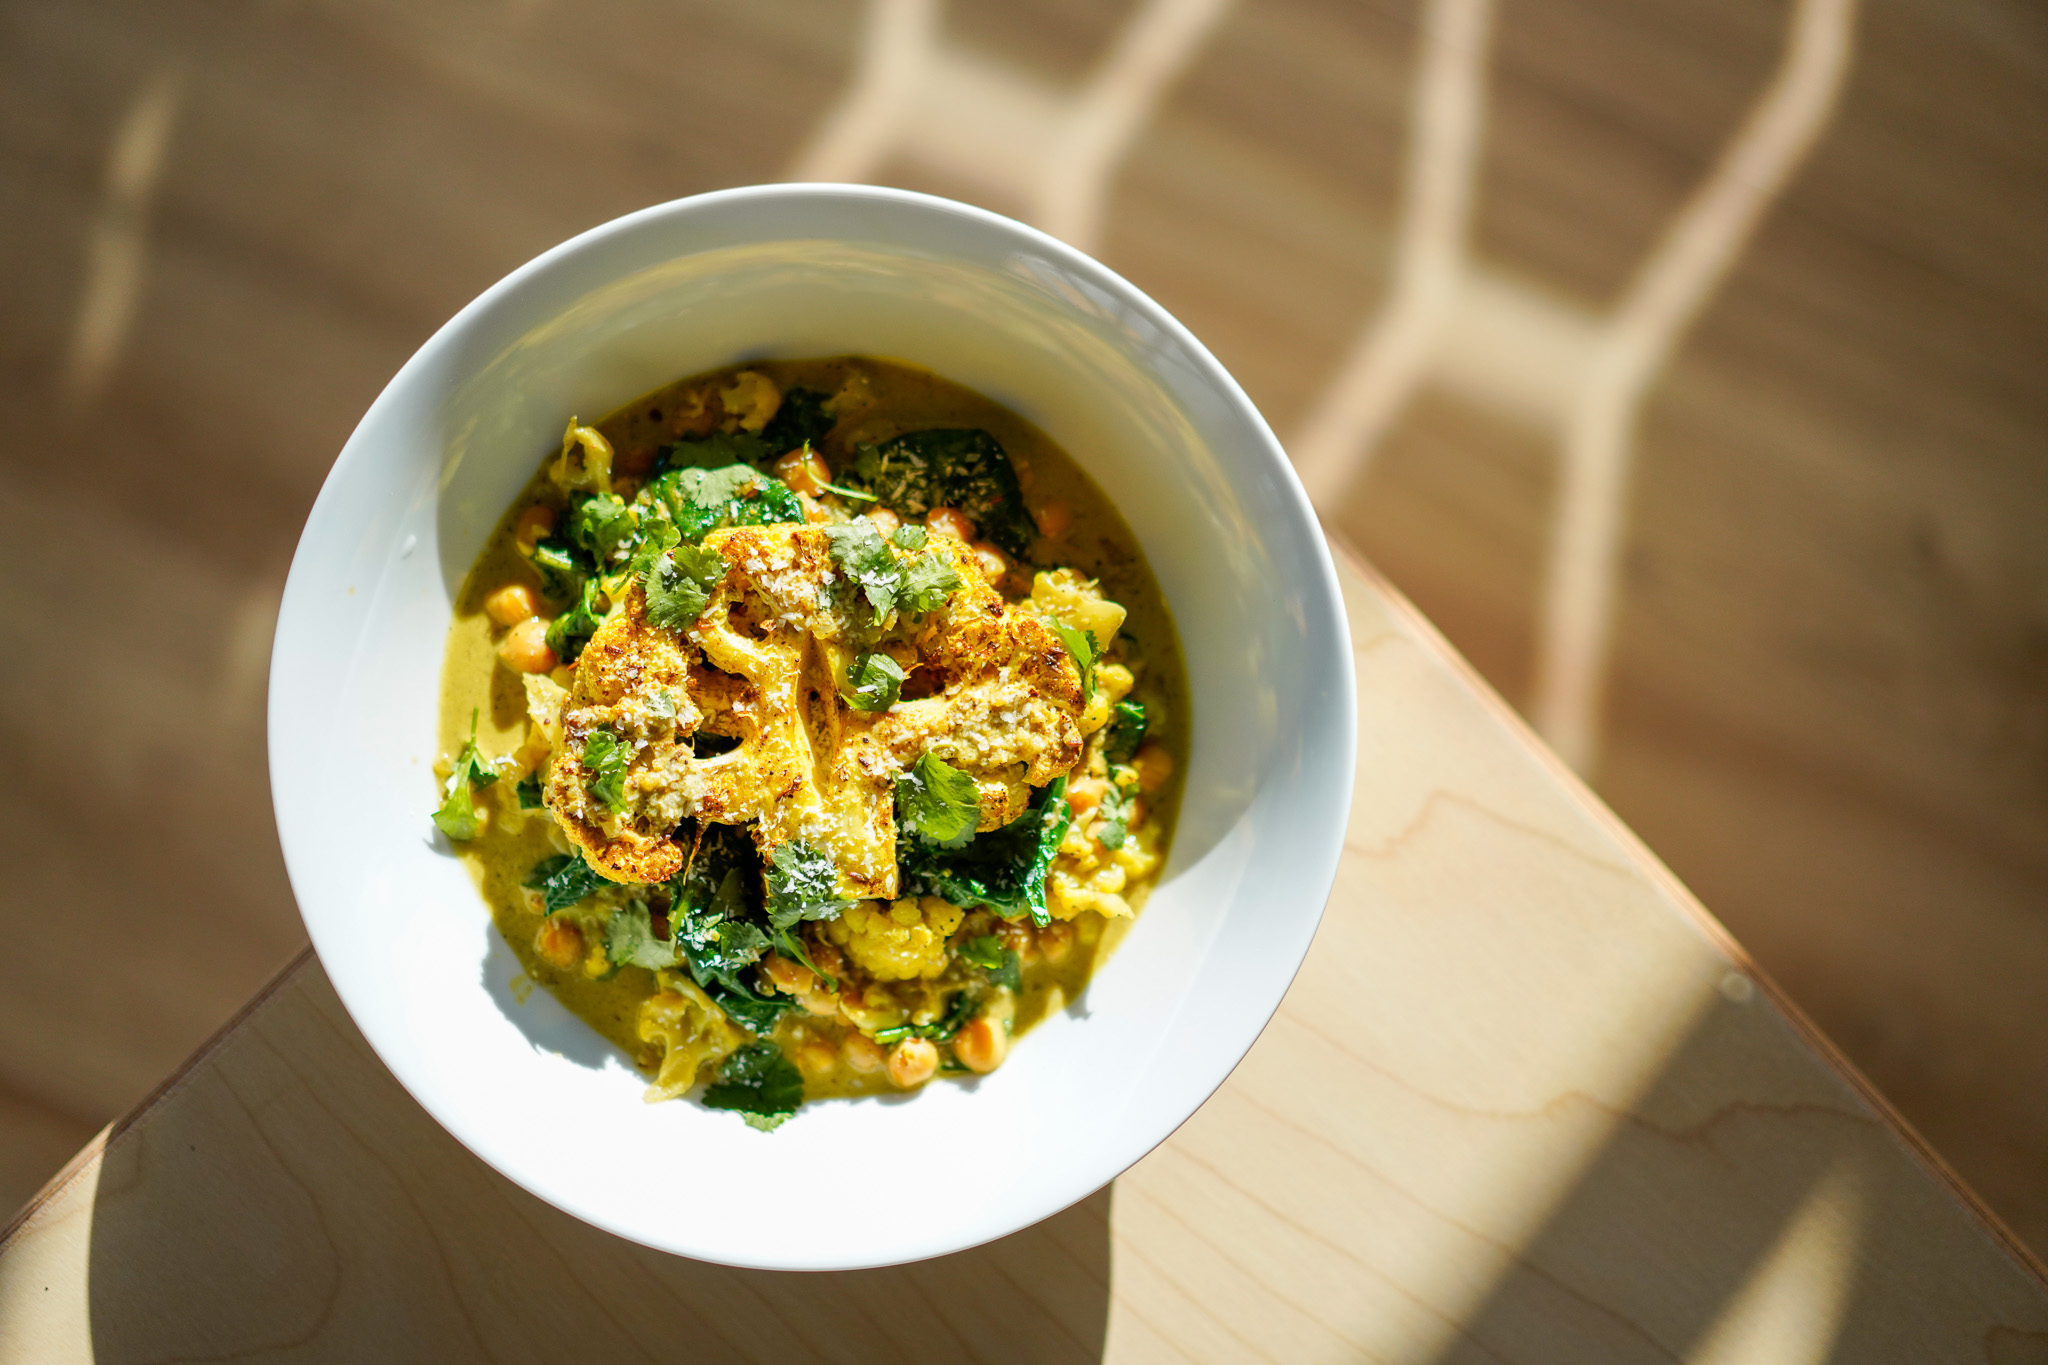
679 585
962 468
605 758
989 954
910 536
801 420
1115 811
760 1084
657 535
710 918
875 681
629 939
457 818
937 802
1127 723
1081 644
562 881
803 883
859 553
1003 870
569 632
700 501
927 582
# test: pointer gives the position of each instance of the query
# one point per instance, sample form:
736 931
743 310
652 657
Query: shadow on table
1747 1230
290 1200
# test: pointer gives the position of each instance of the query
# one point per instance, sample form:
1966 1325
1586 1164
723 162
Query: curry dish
812 729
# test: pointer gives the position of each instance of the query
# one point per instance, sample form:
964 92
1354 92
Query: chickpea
1053 518
803 471
913 1062
790 978
1017 938
828 960
819 1001
863 1054
885 519
525 648
1085 795
1154 766
949 521
1056 940
816 1057
982 1045
991 560
511 604
559 943
533 527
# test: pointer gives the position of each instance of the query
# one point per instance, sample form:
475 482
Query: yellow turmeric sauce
1079 530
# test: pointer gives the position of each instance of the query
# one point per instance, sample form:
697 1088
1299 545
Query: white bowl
790 271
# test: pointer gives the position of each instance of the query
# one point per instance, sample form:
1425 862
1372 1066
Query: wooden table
1526 1102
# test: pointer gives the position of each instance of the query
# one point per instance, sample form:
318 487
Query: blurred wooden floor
1830 705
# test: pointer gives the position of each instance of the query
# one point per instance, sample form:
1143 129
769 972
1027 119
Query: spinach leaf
570 631
529 793
758 1082
949 467
874 682
1081 644
942 1030
753 1012
1003 870
562 881
801 420
605 758
717 450
679 585
937 803
803 883
629 939
1127 723
710 917
457 817
989 954
601 524
562 568
700 501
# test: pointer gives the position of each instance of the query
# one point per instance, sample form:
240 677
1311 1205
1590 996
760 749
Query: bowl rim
1320 595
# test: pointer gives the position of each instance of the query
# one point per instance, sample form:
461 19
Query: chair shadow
289 1200
1734 1186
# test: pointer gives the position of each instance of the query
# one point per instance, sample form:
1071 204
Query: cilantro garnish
910 536
989 954
562 881
1081 644
1004 869
457 817
859 553
708 915
605 758
679 585
801 420
760 1084
1127 723
803 883
874 681
1115 809
949 467
937 802
570 631
717 450
927 582
629 939
700 501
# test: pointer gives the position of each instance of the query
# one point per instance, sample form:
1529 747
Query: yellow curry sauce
901 970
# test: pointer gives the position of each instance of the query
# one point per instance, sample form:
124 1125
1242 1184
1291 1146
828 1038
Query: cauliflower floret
753 398
545 699
689 1029
1065 596
902 942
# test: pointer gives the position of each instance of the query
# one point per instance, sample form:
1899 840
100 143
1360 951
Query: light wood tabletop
1526 1101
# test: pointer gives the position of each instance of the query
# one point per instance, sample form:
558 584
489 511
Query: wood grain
1524 1102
